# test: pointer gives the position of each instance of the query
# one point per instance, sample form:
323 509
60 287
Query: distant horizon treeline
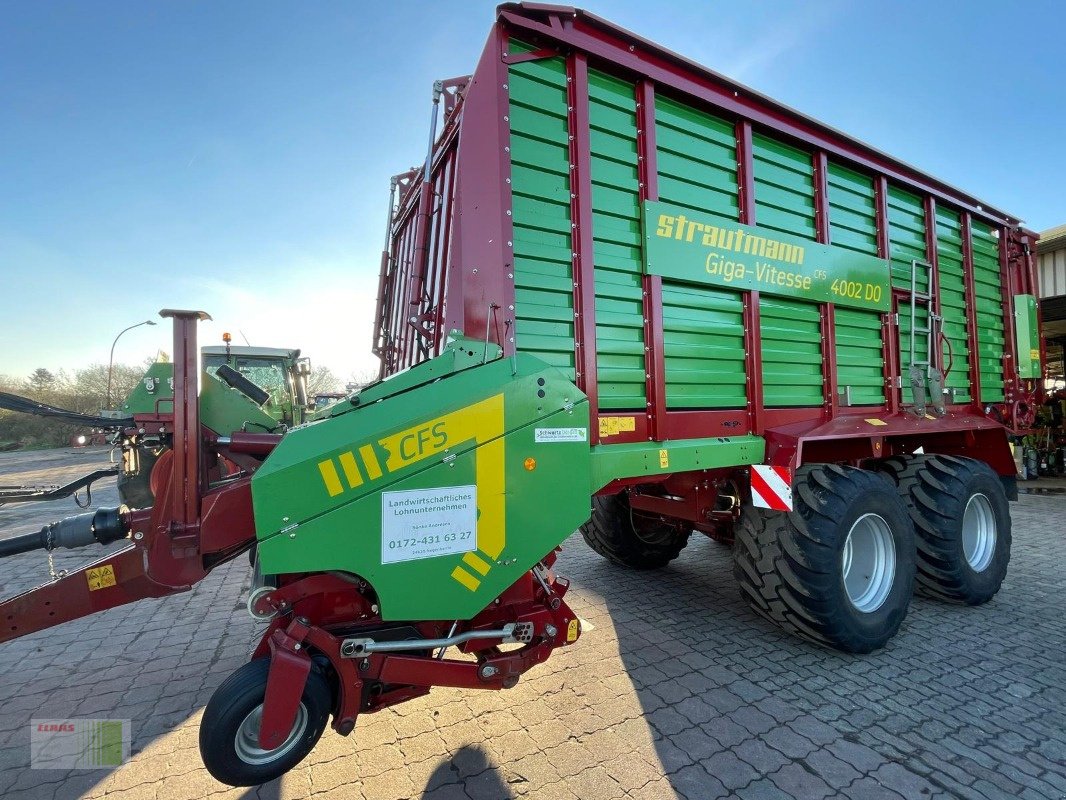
85 391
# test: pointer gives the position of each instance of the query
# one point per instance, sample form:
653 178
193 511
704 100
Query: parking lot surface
677 691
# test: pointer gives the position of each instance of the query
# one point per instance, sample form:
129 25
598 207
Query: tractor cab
279 372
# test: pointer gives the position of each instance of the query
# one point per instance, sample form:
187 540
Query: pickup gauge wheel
229 731
961 521
839 568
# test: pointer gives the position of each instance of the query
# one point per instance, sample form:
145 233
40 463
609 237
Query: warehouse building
1052 280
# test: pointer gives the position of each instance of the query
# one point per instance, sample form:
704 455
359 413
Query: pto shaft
104 526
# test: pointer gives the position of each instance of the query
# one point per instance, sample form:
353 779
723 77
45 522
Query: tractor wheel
632 538
135 490
839 568
961 521
229 730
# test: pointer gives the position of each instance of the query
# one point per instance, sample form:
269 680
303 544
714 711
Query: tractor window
266 373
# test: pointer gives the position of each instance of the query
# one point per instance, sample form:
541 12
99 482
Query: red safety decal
771 487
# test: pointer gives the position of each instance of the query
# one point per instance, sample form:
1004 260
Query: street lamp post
111 360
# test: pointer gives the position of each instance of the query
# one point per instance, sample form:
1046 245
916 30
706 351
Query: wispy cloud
784 35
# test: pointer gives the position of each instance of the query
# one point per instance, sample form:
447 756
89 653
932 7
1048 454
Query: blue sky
235 156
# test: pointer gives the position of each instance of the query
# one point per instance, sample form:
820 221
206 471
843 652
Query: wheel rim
978 533
246 742
868 563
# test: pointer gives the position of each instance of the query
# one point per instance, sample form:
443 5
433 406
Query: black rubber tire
631 539
936 490
790 565
135 490
233 701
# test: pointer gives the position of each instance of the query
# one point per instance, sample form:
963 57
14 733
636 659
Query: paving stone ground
678 692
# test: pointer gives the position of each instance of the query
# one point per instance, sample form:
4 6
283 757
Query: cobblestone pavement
677 692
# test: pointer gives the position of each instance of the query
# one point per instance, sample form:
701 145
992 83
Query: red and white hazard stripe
771 487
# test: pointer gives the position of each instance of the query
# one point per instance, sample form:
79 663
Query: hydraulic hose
104 525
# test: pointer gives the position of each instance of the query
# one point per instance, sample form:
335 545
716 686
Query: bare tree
322 380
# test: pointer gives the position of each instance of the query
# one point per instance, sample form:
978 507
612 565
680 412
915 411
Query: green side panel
436 495
791 334
697 159
540 187
703 328
1027 336
859 352
784 187
906 235
703 338
953 305
616 228
610 461
989 293
791 352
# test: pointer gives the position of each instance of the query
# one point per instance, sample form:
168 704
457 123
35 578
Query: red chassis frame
194 527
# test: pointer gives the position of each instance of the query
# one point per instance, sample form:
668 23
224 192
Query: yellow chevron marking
351 469
370 459
465 578
474 561
330 477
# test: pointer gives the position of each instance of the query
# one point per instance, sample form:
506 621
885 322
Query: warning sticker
425 523
612 426
100 577
560 434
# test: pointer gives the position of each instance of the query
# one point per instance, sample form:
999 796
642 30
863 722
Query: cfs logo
477 422
413 444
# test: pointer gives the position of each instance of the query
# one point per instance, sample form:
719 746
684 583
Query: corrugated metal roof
1052 239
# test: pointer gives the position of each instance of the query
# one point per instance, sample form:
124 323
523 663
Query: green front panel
225 410
784 187
703 337
859 350
1027 336
989 295
906 233
435 495
154 393
540 188
617 243
953 305
703 327
791 352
